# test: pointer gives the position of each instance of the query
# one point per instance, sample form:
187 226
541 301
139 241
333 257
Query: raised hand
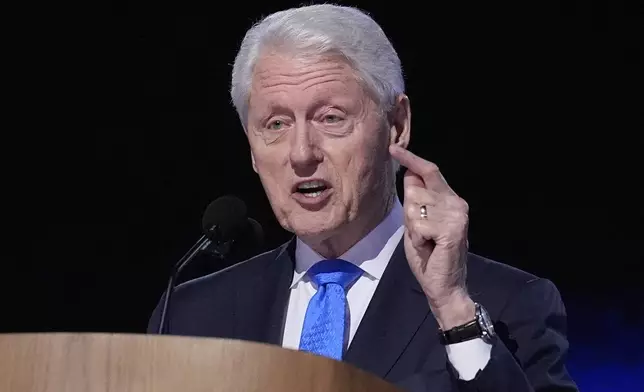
436 222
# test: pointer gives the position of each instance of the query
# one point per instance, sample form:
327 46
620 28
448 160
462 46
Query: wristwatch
481 327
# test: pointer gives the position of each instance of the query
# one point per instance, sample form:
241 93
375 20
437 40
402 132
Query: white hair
322 29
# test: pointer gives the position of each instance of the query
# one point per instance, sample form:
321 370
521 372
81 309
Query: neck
339 242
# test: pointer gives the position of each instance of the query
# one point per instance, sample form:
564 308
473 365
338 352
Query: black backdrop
532 111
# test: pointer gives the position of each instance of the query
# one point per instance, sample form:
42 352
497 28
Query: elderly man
388 287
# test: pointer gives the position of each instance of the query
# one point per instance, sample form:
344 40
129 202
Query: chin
318 224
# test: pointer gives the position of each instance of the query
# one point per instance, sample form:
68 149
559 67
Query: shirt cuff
469 357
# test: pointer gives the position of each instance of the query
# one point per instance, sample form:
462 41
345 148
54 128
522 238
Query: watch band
461 333
481 327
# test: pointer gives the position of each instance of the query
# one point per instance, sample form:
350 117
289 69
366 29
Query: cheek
266 170
362 167
371 165
270 170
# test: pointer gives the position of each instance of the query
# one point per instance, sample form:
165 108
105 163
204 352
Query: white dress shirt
371 254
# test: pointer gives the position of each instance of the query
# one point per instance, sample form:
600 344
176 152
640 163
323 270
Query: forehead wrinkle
271 70
328 80
306 79
305 69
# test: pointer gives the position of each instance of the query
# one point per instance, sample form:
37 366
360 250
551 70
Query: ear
252 159
250 145
400 122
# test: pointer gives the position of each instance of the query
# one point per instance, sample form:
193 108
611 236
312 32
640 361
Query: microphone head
224 219
257 233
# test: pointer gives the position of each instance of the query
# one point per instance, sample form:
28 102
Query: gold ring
423 212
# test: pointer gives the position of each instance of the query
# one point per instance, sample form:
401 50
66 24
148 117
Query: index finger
427 170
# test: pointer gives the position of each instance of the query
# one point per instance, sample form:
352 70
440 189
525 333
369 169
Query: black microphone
223 222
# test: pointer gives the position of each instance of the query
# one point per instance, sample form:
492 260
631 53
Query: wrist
454 310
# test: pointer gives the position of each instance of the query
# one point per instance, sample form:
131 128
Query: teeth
310 184
312 194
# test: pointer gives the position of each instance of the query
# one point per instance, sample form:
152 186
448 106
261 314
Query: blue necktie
325 321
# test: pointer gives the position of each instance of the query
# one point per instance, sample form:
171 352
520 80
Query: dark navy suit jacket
398 337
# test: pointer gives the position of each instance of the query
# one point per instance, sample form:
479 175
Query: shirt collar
371 253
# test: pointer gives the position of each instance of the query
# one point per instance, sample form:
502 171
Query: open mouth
311 189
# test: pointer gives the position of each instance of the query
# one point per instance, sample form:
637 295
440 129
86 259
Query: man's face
318 143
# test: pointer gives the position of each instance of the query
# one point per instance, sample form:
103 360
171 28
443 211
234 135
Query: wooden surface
127 363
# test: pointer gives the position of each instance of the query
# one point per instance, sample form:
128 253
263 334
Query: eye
276 125
332 118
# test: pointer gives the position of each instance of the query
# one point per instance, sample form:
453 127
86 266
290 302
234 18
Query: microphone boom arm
198 247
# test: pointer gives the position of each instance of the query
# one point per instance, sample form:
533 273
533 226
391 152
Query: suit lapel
285 262
262 304
394 315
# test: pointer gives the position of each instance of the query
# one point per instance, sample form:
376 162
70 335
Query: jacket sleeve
531 346
528 354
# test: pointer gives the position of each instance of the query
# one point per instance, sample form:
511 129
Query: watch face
486 321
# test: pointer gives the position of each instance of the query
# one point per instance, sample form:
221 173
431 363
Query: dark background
531 110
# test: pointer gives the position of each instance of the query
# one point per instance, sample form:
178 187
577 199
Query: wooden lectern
60 362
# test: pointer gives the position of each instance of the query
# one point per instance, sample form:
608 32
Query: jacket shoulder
482 269
235 273
496 284
197 295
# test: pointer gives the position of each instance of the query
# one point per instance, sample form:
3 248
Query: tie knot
336 271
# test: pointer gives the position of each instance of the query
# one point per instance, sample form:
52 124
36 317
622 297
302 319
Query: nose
304 148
